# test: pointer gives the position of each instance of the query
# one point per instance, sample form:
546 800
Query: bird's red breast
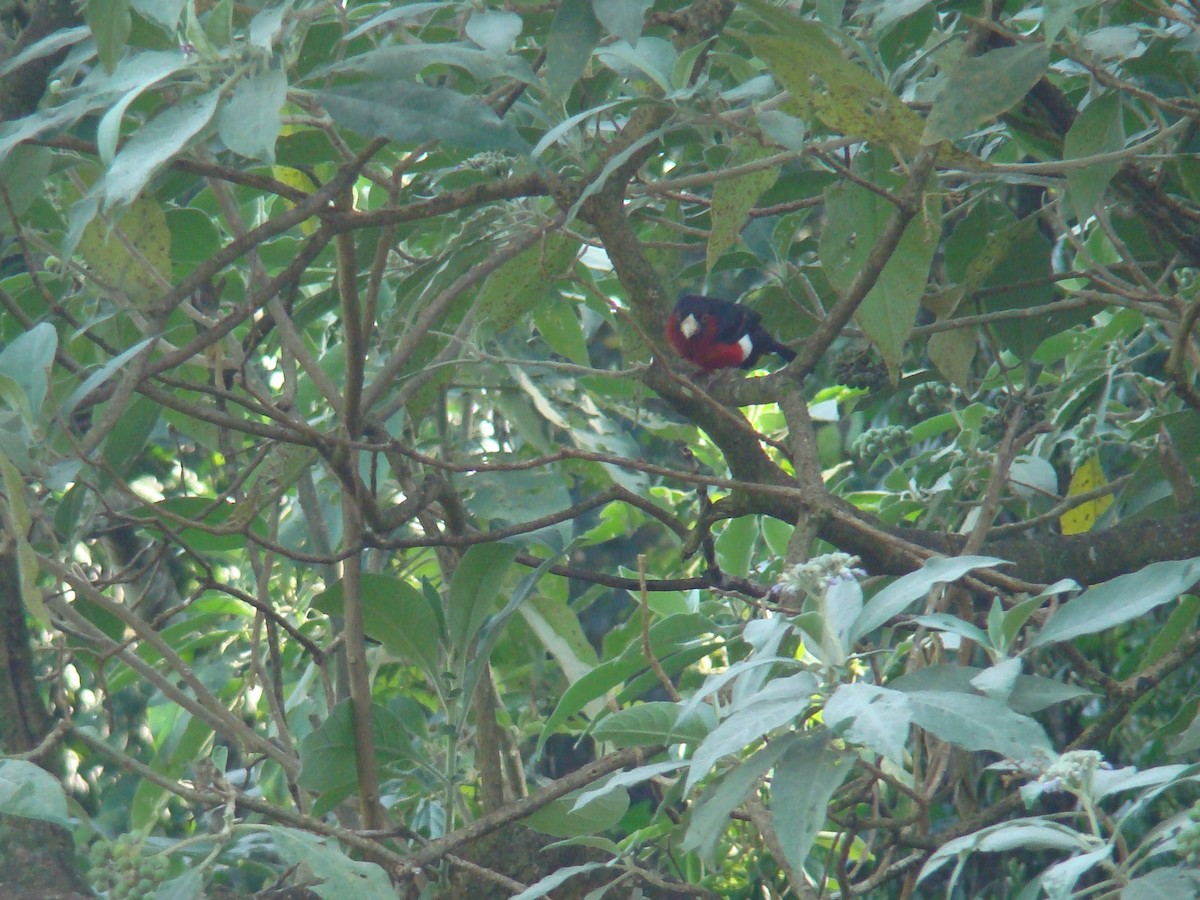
696 335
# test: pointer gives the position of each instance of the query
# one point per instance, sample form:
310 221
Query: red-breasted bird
715 334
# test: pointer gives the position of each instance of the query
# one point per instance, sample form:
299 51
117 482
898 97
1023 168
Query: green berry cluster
491 162
1030 409
872 445
123 870
930 397
1086 441
860 368
1189 837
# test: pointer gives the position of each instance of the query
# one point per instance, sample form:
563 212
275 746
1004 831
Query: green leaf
557 320
656 722
123 446
856 217
666 636
573 35
110 23
1057 14
493 29
328 763
876 717
415 114
1028 834
132 251
980 88
26 362
624 18
557 627
627 779
520 285
898 596
1119 600
844 96
560 818
733 198
17 521
474 588
804 782
154 145
735 544
163 12
394 613
1099 128
711 814
779 703
29 791
1164 884
338 876
249 121
978 723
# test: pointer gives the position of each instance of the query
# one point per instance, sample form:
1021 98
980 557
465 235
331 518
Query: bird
717 334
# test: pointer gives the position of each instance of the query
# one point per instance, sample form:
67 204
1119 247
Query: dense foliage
362 534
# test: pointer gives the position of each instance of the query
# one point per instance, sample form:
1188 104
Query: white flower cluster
820 573
1072 771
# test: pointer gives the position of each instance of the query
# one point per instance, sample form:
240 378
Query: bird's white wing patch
746 344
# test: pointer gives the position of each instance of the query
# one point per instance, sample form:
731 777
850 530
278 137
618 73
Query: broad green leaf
110 23
711 814
656 722
415 114
856 217
999 681
843 95
1099 128
132 251
1057 14
894 10
474 589
560 818
666 636
735 545
493 29
394 613
876 717
1027 834
154 145
1033 693
165 12
123 446
780 702
733 198
557 627
405 62
627 779
898 596
29 791
557 878
17 520
953 352
557 320
1119 600
1164 884
980 88
48 45
624 18
24 173
975 722
328 763
805 779
338 876
573 35
520 285
26 363
249 120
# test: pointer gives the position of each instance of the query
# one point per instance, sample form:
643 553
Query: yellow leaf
302 181
1087 477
